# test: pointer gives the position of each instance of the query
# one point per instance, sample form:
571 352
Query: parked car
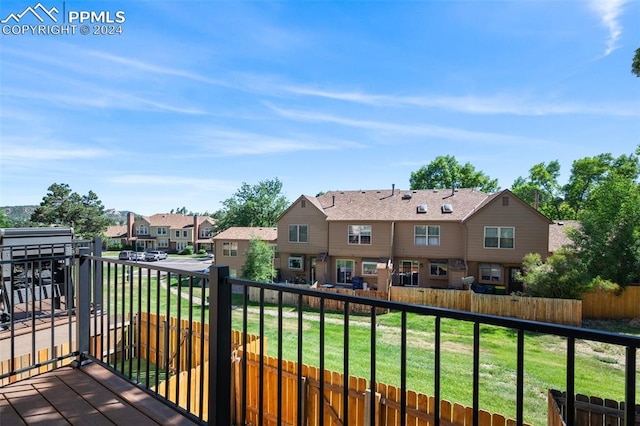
126 255
152 255
138 255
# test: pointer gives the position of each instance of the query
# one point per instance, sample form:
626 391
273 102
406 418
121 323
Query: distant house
425 238
168 232
115 235
232 244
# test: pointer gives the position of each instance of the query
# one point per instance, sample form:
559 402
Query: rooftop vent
406 196
422 208
447 208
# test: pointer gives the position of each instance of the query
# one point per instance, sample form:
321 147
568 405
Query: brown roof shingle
400 205
248 233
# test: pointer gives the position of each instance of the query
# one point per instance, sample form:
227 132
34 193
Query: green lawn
599 367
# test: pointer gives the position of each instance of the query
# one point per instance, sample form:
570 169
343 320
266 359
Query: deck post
83 306
219 346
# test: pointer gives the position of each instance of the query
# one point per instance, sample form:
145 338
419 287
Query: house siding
531 234
451 241
317 240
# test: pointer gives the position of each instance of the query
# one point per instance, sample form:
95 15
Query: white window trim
353 267
499 228
297 226
359 235
375 264
298 259
493 267
439 262
231 248
426 236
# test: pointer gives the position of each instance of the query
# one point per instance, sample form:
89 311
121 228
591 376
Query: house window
162 230
426 235
438 268
359 234
296 263
344 271
164 243
491 272
499 237
205 233
369 268
229 248
185 234
181 245
142 230
177 234
298 233
303 203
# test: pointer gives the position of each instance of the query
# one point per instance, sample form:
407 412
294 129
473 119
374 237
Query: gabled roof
175 221
399 205
491 198
313 200
116 231
248 233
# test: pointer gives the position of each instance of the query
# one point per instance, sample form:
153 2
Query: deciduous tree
259 263
608 239
253 205
446 172
542 190
83 213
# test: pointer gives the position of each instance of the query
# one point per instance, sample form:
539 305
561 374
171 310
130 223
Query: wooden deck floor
90 395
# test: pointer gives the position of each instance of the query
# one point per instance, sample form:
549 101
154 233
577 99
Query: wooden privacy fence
441 298
165 341
420 408
558 311
595 305
590 411
289 299
609 305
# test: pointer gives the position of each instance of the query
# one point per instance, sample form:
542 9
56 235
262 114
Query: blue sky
195 98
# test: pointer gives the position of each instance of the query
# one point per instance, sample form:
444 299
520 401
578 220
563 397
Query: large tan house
232 244
164 231
425 238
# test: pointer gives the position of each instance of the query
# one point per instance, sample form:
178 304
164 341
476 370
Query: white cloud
423 130
228 142
21 151
609 11
497 104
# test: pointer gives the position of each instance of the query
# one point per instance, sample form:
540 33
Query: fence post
368 400
82 306
219 346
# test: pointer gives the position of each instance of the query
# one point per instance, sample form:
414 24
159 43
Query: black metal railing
36 306
116 300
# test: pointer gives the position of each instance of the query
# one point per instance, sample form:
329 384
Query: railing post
219 346
97 276
82 305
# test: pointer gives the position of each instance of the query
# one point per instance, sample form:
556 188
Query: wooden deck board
76 396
